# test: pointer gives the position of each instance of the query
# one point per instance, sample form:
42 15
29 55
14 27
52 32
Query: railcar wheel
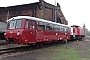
80 39
6 42
39 45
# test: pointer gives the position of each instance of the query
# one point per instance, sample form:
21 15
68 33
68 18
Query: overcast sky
75 11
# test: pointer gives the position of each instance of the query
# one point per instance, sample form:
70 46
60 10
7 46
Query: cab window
18 23
26 25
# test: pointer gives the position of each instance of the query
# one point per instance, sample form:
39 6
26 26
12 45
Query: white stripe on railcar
36 19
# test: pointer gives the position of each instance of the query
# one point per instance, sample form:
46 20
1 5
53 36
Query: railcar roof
36 19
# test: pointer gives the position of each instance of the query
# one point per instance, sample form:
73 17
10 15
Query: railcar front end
18 32
77 33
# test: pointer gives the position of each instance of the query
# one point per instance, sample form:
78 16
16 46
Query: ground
83 47
76 50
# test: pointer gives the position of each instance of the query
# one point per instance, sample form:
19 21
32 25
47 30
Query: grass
88 50
61 53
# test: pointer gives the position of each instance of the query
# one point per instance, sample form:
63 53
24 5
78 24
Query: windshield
14 24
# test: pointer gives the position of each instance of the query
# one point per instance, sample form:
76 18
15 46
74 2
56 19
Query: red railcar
29 30
77 32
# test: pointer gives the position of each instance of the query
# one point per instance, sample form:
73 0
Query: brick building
3 26
39 9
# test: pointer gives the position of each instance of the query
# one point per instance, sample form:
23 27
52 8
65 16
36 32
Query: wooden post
66 43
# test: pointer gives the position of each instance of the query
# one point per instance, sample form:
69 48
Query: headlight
4 33
18 33
65 33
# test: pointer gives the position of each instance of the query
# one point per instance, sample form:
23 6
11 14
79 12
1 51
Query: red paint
78 32
34 35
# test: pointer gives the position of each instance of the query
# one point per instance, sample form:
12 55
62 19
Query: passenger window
68 29
41 25
49 26
63 29
26 25
32 25
56 28
18 23
60 28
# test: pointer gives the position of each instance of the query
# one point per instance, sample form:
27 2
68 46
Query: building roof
3 21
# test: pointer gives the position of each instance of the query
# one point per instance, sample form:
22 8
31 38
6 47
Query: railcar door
32 31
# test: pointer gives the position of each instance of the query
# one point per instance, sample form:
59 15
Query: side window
41 25
18 23
60 28
49 26
68 29
56 28
65 29
32 25
26 25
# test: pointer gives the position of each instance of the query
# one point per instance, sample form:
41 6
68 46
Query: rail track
27 48
14 50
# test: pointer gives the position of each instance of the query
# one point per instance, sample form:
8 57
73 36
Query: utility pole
55 11
7 13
